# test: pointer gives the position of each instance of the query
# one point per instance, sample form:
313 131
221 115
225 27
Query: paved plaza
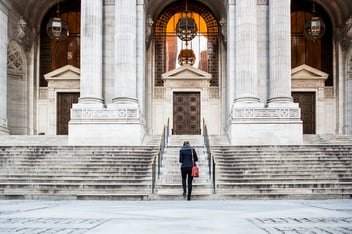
198 216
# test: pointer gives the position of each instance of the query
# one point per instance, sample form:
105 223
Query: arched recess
317 100
53 54
17 90
318 53
160 35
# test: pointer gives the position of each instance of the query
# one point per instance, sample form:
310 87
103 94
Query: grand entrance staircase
42 167
75 172
169 185
321 169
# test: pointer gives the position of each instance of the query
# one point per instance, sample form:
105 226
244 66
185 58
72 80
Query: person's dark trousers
187 174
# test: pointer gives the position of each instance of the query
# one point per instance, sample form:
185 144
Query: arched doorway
55 55
317 54
186 103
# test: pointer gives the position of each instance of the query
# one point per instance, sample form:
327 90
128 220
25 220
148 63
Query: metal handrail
211 159
154 173
159 155
163 144
207 145
214 167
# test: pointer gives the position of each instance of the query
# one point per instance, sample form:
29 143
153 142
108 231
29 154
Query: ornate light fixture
315 27
186 30
186 56
57 28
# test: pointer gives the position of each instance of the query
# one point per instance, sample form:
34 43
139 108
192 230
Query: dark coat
186 156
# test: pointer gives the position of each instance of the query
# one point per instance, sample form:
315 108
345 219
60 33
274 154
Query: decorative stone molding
214 93
305 76
266 113
105 114
223 26
345 34
15 60
3 123
329 92
22 34
20 29
159 93
149 30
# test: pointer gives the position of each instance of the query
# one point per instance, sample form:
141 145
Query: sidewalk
147 217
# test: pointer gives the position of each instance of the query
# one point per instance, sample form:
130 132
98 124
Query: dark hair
186 143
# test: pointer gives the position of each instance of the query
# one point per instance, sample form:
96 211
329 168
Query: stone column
4 7
91 52
280 52
246 52
231 51
141 52
125 51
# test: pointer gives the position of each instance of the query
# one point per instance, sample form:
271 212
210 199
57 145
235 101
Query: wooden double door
186 113
64 105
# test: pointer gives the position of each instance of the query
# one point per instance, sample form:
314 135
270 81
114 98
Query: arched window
318 53
199 44
54 54
204 45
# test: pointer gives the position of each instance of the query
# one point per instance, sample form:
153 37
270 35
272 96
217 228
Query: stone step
281 196
284 185
70 180
177 140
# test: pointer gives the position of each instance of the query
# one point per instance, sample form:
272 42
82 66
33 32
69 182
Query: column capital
344 34
5 6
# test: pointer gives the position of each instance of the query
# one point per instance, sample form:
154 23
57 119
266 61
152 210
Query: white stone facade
119 102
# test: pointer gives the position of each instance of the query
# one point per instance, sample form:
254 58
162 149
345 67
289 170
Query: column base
266 126
3 127
114 125
4 131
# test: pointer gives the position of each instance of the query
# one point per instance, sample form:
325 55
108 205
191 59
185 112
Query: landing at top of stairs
177 140
33 140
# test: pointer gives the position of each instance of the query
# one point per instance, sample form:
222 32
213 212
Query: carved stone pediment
308 77
67 72
64 78
186 72
186 77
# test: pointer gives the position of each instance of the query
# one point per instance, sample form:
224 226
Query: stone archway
212 36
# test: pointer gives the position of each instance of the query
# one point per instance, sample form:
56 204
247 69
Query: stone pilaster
125 51
246 52
280 53
4 7
91 52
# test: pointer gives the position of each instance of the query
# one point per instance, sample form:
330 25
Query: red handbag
195 169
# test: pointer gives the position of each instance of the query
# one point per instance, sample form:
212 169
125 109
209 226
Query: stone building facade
257 79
